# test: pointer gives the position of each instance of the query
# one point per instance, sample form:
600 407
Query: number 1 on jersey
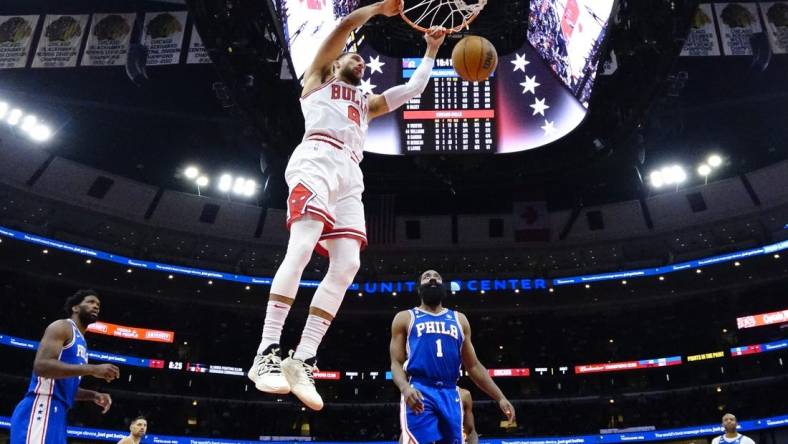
438 344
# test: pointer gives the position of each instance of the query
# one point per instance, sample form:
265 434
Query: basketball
474 58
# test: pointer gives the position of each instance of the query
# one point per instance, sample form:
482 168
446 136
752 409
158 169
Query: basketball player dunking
324 207
61 362
429 343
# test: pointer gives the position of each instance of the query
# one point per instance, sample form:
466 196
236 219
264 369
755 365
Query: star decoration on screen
530 84
519 62
549 127
366 86
539 106
375 65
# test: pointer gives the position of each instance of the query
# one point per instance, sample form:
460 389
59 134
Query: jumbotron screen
538 94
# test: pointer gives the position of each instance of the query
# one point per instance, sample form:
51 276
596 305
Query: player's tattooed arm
335 43
397 350
478 373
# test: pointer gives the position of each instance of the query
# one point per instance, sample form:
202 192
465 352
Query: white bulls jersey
337 112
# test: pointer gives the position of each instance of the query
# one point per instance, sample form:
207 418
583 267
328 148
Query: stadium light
225 183
704 170
250 188
14 116
29 123
715 160
656 179
202 181
191 172
669 175
3 109
239 185
40 133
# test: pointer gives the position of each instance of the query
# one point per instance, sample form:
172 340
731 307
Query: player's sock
275 316
314 330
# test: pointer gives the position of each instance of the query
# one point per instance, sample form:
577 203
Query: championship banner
702 39
775 18
16 35
60 40
108 42
163 35
141 334
738 22
197 51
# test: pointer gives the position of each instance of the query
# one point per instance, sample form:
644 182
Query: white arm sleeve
400 94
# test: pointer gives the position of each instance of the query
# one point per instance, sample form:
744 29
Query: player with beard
324 208
137 430
60 363
429 343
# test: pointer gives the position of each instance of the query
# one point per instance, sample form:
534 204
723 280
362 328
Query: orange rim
458 28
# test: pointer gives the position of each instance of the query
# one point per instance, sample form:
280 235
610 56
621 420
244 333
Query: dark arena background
609 210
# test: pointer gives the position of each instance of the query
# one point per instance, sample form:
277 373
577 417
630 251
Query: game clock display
452 115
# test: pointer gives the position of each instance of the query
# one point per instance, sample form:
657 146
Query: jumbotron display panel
538 94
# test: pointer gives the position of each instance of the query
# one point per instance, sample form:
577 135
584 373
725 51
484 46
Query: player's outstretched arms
478 373
334 44
399 95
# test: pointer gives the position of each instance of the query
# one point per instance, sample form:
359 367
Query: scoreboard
451 116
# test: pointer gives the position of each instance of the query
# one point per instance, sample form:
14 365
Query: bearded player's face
350 68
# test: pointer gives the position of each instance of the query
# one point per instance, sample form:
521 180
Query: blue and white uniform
739 439
40 418
433 368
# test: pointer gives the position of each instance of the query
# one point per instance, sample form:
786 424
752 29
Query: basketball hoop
454 15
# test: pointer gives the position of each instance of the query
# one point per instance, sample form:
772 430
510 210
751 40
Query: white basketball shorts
325 180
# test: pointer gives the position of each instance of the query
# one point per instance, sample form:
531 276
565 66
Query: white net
453 15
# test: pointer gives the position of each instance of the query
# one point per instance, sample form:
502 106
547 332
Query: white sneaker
266 372
302 384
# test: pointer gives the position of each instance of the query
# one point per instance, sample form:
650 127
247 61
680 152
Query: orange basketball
474 58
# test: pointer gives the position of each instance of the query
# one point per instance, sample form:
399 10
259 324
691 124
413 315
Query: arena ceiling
655 108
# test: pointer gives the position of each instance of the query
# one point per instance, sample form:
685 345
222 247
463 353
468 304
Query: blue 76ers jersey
65 389
434 344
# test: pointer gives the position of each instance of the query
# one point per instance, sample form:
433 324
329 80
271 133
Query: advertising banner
141 334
